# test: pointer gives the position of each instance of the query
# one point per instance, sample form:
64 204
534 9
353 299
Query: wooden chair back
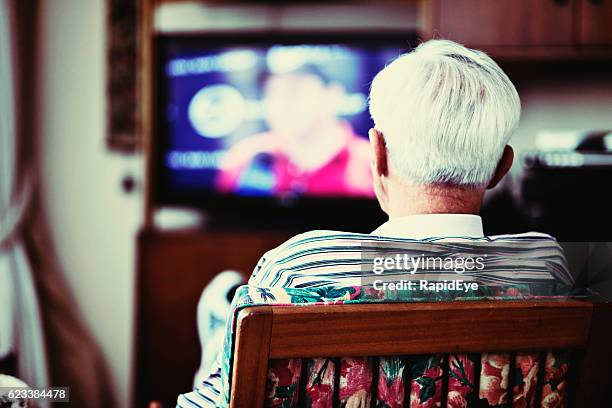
308 331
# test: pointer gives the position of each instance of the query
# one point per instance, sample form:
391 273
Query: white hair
446 112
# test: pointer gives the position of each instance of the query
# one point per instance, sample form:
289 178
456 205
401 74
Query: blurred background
146 146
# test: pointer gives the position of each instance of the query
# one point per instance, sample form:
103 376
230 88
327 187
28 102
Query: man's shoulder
304 248
327 237
324 235
531 235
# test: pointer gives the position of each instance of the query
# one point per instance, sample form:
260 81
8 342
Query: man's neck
438 199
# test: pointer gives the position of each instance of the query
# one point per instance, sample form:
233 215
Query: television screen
254 118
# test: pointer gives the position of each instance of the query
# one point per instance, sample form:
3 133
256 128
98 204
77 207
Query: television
267 127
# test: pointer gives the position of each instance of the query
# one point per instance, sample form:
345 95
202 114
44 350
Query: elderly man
443 115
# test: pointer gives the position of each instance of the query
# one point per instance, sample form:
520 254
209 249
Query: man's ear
379 149
379 168
503 166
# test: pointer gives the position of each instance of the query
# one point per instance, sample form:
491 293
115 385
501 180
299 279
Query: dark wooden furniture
483 23
173 269
272 332
595 19
523 29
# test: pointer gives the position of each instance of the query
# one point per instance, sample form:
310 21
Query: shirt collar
432 226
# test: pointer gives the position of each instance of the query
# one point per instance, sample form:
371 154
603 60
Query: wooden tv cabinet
173 268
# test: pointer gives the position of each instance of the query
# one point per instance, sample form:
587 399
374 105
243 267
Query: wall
93 223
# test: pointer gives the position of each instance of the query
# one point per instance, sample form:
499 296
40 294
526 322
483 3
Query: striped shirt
323 258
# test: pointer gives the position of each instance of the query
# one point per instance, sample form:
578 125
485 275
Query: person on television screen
307 151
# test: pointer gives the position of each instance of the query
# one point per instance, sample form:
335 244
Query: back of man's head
446 112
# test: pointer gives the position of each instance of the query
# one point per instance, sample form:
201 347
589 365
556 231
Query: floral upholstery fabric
426 375
494 376
527 367
391 382
283 383
554 390
426 381
320 383
461 379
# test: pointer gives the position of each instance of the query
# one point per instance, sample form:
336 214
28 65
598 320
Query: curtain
40 322
21 330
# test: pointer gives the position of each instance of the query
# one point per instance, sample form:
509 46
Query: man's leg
213 310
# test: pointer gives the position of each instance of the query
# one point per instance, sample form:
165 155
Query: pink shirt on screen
347 173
